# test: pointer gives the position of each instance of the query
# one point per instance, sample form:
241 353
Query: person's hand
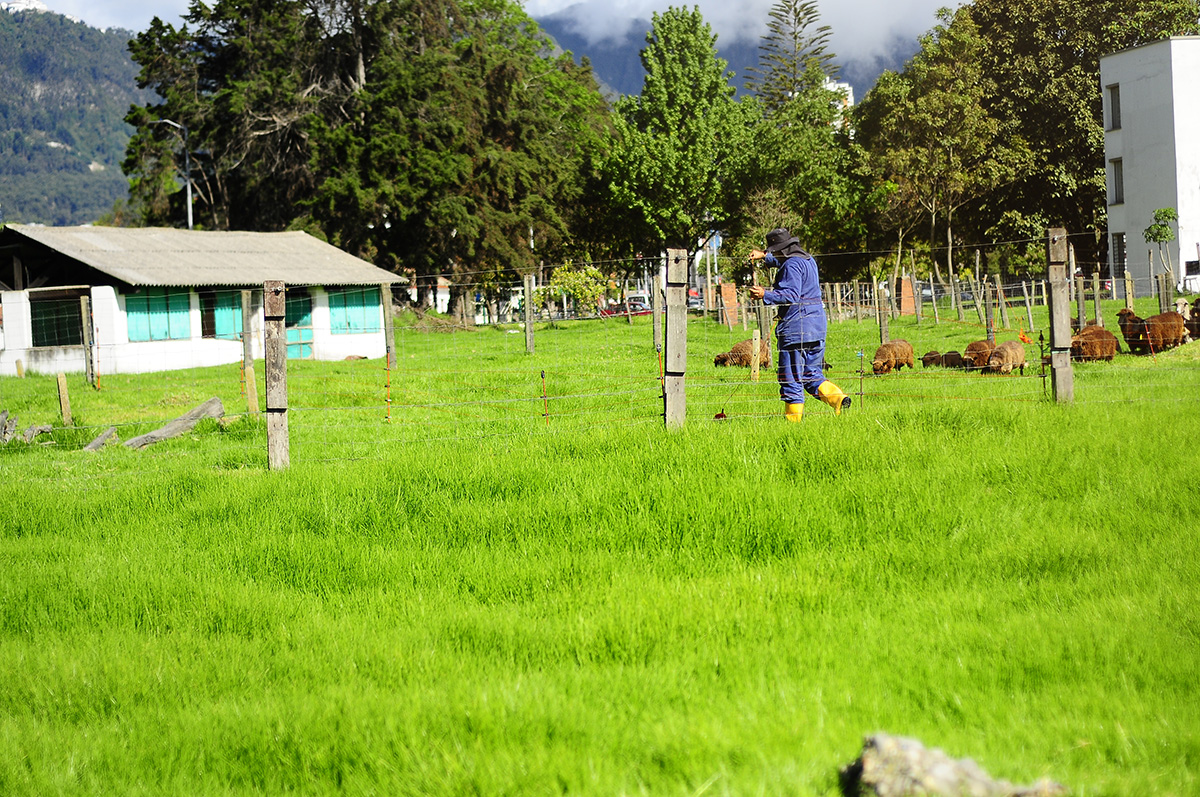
757 292
757 254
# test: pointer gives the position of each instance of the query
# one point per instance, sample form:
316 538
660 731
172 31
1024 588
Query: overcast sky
863 30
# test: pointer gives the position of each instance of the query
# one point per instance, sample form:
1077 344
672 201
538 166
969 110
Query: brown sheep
978 352
953 359
1153 334
1093 343
905 353
740 355
931 358
1008 355
884 360
892 356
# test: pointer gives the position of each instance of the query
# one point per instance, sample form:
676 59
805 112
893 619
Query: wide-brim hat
780 239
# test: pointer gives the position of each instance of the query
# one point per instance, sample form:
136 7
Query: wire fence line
449 384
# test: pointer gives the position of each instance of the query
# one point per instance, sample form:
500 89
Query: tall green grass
610 607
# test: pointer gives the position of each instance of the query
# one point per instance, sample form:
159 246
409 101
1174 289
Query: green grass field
500 593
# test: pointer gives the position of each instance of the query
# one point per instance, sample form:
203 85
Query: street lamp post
187 162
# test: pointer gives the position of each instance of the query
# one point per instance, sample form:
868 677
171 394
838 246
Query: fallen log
34 431
181 425
100 440
8 427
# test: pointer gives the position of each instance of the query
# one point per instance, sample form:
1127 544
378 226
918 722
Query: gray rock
892 766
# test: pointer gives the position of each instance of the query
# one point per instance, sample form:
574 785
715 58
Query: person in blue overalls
800 331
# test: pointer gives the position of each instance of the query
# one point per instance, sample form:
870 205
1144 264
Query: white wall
115 354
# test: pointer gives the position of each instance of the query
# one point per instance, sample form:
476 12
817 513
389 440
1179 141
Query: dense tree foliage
930 135
424 135
681 144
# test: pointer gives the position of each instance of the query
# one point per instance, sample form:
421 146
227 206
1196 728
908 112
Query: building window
221 315
1118 182
1118 252
158 314
1114 107
56 322
353 310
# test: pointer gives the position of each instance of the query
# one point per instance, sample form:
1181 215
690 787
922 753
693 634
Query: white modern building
1151 100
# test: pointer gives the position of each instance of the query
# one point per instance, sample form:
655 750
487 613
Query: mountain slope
65 88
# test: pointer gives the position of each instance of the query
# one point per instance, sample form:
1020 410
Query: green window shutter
160 320
179 315
339 322
137 317
228 315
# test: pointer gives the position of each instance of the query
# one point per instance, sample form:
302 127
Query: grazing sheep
931 358
740 355
892 356
1093 343
953 359
1008 355
906 355
1153 334
978 352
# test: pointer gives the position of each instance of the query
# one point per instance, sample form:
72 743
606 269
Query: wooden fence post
389 338
883 318
64 401
275 345
528 314
916 289
957 294
1097 311
1028 304
1080 306
248 353
1062 377
675 355
656 304
990 316
1128 291
755 354
977 298
1002 302
857 301
89 353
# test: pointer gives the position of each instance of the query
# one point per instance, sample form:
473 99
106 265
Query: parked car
635 308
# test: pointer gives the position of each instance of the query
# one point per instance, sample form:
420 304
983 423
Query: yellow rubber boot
832 395
793 412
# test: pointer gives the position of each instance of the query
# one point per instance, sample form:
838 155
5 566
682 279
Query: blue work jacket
798 290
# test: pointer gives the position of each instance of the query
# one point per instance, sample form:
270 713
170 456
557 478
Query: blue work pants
800 370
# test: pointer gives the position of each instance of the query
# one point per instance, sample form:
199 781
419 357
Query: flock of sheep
1142 336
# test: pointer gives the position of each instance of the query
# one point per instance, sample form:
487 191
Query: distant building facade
166 299
1151 103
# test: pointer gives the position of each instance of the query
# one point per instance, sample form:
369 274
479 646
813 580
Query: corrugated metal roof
167 256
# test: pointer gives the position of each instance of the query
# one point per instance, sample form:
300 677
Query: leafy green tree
1160 232
679 146
794 55
930 134
1041 63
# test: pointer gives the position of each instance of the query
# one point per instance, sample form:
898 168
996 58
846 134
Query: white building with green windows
165 299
